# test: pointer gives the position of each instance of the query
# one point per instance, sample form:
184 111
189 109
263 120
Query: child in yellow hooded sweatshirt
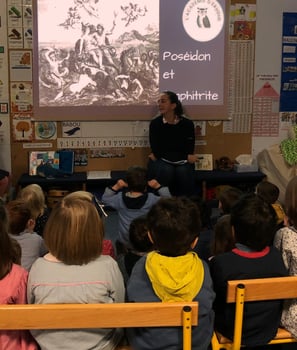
172 272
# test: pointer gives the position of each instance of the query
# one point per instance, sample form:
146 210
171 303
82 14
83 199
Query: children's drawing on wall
45 130
107 53
200 128
287 120
22 127
21 97
20 65
107 153
243 21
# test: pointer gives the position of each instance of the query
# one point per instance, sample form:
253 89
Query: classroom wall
220 139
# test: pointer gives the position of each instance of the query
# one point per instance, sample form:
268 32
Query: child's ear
31 224
193 244
150 237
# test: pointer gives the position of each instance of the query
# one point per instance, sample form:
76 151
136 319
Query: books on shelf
37 158
98 174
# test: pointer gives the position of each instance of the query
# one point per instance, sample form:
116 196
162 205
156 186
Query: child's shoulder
17 271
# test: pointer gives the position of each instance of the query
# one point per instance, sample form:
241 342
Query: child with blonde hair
35 198
75 271
108 248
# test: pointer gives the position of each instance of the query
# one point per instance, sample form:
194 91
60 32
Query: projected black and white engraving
98 52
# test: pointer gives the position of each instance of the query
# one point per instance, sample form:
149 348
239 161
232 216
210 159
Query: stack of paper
98 174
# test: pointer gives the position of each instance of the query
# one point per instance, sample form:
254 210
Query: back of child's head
254 222
10 251
34 196
136 178
85 196
174 224
228 197
138 234
291 201
74 231
268 191
223 236
19 214
205 211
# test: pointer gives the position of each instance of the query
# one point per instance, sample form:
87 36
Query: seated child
253 223
13 286
34 197
223 236
21 228
203 247
131 199
226 199
286 241
107 248
138 235
75 271
173 272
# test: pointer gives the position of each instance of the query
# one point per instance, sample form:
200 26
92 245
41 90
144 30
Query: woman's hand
152 157
192 158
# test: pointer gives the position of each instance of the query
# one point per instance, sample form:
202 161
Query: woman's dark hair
174 99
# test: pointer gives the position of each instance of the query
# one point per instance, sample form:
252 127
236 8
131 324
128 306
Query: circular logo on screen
203 20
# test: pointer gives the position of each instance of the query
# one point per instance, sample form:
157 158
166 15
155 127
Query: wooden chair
242 291
118 315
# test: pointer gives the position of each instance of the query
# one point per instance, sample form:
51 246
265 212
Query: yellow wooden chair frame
242 291
118 315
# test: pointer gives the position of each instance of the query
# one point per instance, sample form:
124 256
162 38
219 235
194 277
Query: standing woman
172 141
